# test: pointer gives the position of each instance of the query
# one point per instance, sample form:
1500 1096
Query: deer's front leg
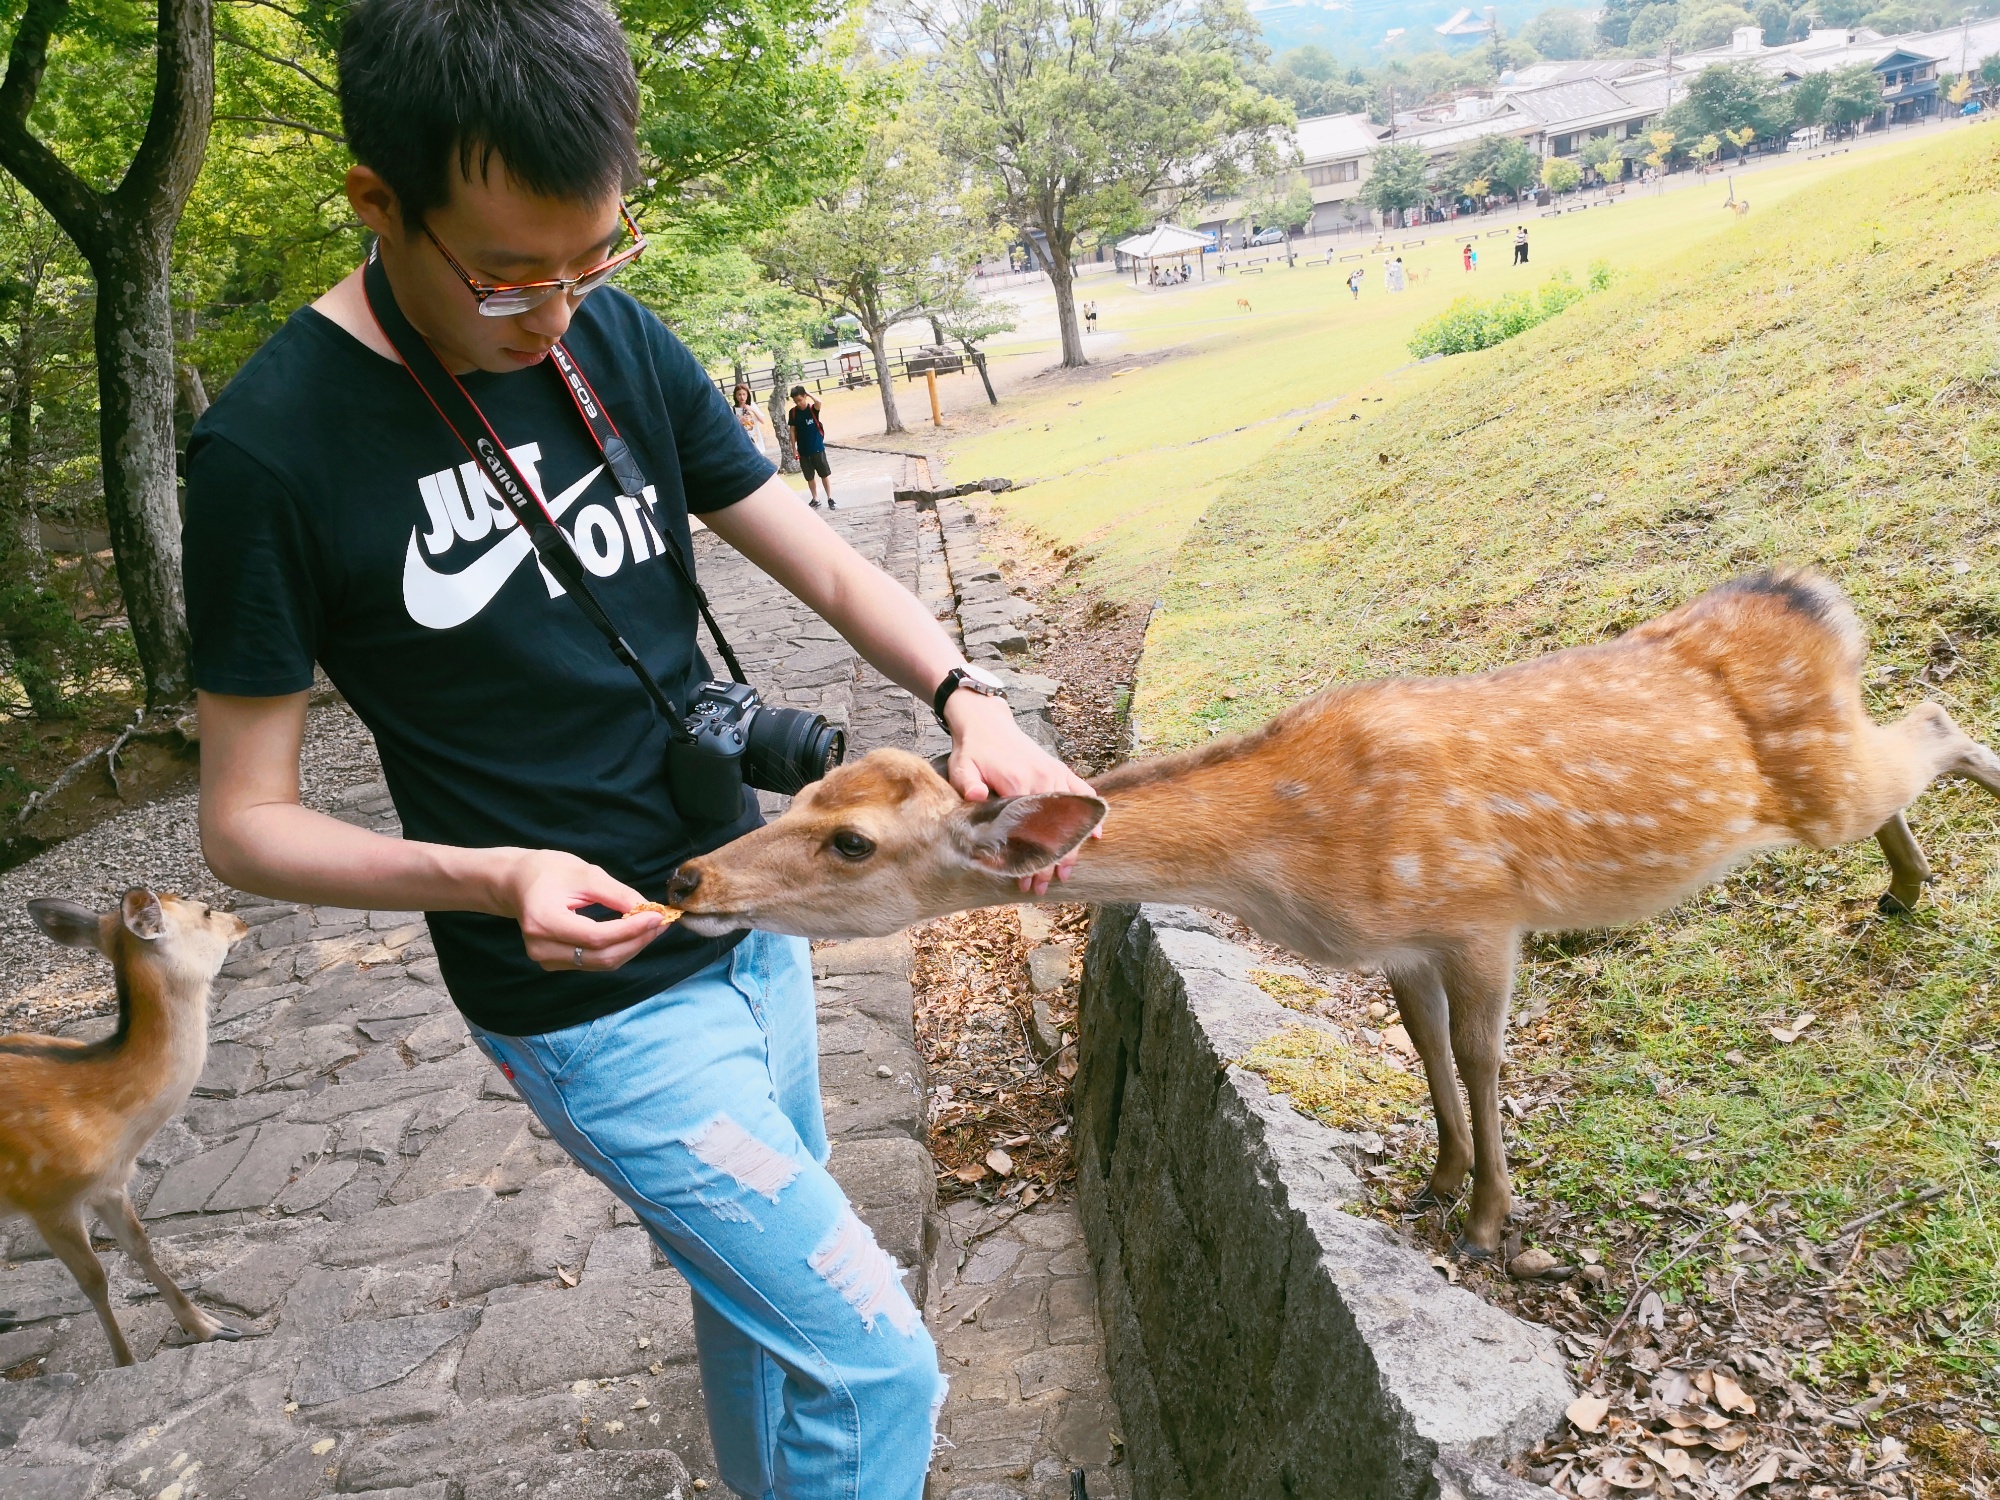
1420 1000
133 1240
1478 979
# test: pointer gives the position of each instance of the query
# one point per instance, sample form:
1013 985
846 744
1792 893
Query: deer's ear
69 924
142 914
1020 835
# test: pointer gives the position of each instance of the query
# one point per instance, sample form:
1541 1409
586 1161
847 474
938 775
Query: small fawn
1419 826
74 1115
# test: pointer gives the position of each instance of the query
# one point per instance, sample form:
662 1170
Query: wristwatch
973 680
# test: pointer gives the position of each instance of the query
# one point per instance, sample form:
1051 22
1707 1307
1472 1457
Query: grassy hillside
1126 457
1819 386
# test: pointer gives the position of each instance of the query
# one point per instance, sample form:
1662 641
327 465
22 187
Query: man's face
501 234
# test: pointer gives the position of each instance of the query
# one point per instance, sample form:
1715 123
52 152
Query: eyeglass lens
510 303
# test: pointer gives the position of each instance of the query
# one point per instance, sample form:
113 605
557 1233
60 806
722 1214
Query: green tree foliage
876 248
1807 100
1989 71
1560 35
1713 25
1602 155
1505 163
1083 117
1314 82
1728 96
1652 27
1854 95
1561 174
1399 178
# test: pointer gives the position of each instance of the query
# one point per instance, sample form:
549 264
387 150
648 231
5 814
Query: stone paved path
441 1306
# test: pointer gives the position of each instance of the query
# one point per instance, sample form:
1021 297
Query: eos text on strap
728 737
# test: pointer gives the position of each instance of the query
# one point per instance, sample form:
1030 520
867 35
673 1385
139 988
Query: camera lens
790 748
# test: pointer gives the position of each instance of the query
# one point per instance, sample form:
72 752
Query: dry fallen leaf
1732 1397
1677 1464
1445 1267
1652 1312
971 1173
1790 1034
1627 1473
999 1161
567 1278
1764 1473
1727 1439
1586 1412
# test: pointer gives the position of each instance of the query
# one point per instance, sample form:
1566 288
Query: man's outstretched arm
257 837
891 628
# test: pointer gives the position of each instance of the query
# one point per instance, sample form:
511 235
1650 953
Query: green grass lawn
1820 386
1125 464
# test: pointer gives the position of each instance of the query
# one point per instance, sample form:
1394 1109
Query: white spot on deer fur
850 1262
1451 796
1407 868
1544 801
1500 804
728 1147
1289 789
1706 796
1740 825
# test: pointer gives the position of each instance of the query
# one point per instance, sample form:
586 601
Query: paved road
441 1306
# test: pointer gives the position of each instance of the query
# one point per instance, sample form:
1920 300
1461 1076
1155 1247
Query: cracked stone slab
546 1340
356 1357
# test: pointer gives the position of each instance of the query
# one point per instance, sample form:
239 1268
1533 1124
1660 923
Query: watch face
985 679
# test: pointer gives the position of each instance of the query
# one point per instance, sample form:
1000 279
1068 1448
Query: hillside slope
1820 387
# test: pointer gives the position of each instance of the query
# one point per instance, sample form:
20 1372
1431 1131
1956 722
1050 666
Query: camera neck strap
461 414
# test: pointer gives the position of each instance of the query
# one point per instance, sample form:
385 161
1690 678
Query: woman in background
752 421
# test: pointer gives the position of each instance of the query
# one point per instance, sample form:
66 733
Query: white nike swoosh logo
443 600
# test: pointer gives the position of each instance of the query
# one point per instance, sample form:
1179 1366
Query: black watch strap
956 678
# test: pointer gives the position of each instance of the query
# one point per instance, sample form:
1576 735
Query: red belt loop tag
508 1071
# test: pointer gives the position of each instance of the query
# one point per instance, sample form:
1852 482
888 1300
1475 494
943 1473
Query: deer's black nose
683 885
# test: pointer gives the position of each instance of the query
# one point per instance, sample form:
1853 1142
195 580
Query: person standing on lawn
333 518
809 437
1520 244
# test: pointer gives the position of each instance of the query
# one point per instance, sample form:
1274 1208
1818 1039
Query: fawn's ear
1020 835
142 914
69 924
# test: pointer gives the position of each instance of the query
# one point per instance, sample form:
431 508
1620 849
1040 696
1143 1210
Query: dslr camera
734 738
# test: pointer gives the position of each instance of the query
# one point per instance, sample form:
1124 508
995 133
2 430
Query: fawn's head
181 941
877 845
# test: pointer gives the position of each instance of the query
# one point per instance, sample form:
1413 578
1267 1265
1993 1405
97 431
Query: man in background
809 437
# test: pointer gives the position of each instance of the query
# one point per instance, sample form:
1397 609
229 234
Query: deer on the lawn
1419 826
75 1115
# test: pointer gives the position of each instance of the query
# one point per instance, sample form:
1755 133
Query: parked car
1271 236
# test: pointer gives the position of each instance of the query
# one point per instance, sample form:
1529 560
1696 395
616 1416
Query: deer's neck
1194 829
162 1039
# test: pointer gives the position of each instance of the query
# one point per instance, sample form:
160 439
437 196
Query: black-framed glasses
515 298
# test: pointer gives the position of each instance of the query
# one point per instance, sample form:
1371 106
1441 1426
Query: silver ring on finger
578 952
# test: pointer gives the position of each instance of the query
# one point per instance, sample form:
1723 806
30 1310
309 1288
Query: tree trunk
1062 279
127 236
979 364
135 398
39 677
781 430
878 344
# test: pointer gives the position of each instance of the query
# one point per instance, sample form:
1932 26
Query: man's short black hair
432 86
798 390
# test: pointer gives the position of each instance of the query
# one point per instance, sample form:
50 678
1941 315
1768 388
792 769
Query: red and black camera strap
461 414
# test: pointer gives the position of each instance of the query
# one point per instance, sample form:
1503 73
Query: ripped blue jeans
700 1108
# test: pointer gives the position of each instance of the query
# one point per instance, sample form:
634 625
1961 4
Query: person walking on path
541 810
809 438
1520 244
752 420
1393 275
1354 282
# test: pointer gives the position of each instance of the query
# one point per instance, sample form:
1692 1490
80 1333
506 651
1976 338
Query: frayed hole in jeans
756 1167
865 1274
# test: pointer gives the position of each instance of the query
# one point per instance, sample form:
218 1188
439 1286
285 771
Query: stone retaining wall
1261 1340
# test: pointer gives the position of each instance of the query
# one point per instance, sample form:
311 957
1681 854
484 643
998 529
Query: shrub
1470 324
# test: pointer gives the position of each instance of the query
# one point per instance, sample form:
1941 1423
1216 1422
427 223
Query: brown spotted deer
1419 826
74 1115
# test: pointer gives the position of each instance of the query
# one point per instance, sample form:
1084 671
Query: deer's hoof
1891 905
227 1334
1466 1250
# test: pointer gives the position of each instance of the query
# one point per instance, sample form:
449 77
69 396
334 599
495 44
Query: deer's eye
850 845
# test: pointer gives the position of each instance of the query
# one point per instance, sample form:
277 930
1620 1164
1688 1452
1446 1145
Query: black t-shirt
332 516
806 429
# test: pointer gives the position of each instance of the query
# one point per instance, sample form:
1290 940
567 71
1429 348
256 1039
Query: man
809 439
1521 244
334 517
